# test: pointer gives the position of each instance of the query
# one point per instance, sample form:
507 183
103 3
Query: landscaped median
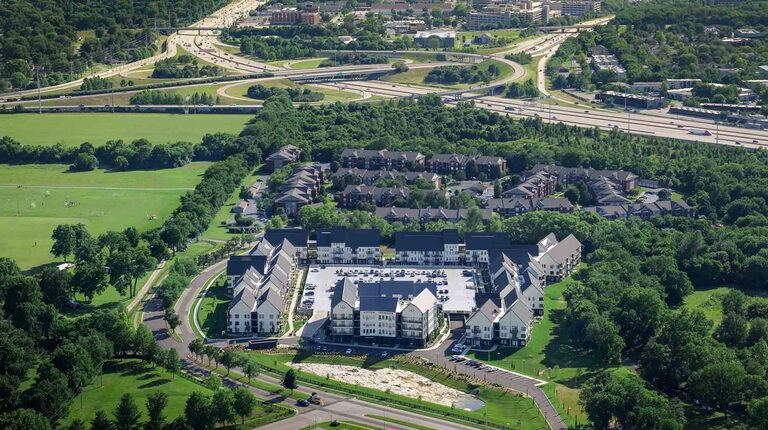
502 409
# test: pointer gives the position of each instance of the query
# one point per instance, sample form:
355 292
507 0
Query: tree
24 419
212 353
718 384
156 403
228 359
198 413
572 194
733 330
196 347
250 369
127 414
758 414
222 405
244 402
143 342
171 361
56 286
84 162
89 279
171 318
77 424
289 380
101 422
213 382
63 241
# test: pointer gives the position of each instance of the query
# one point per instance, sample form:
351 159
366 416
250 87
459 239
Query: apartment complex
353 195
293 17
282 157
645 211
260 283
535 186
384 312
368 177
300 188
508 207
372 159
427 248
444 164
407 215
348 246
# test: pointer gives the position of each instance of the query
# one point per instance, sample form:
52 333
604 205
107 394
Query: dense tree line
120 33
527 89
155 97
341 58
260 92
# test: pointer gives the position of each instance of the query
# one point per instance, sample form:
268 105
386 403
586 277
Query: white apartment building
427 248
348 246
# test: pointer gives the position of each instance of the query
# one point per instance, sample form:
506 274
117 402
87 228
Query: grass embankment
551 355
97 128
34 199
212 314
140 380
417 76
240 91
501 407
217 230
709 301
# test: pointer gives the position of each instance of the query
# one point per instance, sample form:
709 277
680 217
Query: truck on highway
699 132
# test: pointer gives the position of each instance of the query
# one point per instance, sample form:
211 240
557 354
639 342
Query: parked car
302 403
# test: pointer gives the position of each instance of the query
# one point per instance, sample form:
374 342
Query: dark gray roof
271 296
382 304
517 253
425 240
487 241
352 237
246 296
237 265
297 236
346 291
388 288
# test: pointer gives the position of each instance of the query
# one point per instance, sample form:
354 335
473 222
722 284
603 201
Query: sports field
97 128
34 199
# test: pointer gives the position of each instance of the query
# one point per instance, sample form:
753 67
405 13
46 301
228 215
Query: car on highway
755 141
384 354
348 351
509 108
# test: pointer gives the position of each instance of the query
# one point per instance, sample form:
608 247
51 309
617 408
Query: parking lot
456 287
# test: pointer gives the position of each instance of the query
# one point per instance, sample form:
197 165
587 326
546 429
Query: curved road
335 405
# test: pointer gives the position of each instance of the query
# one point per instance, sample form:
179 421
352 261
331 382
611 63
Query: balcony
342 330
342 323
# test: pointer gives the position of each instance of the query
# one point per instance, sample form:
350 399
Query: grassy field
97 128
34 199
213 309
217 230
139 380
241 90
500 407
709 301
550 355
311 63
417 76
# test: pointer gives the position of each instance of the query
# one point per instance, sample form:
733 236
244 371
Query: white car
348 351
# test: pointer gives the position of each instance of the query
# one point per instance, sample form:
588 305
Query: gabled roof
297 236
424 301
237 265
345 292
246 297
270 296
380 304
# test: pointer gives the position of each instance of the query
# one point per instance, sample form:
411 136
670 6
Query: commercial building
427 248
446 39
293 17
348 246
632 100
608 62
406 26
578 7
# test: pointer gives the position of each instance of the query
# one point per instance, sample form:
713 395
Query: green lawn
400 422
311 63
501 407
72 129
709 301
217 230
417 76
34 199
213 309
331 95
139 380
550 355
